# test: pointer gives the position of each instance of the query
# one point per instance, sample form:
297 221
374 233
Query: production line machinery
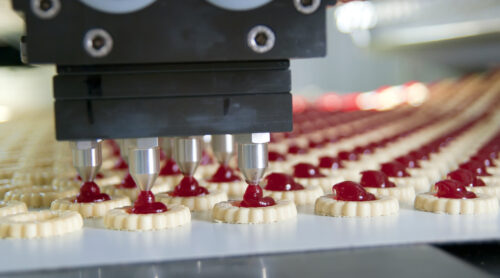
140 70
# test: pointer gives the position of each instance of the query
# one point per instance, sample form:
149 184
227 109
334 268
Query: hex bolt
45 9
261 39
306 6
98 43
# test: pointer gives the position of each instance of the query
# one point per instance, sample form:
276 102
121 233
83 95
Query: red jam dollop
475 167
375 179
254 197
466 177
127 182
484 159
170 168
294 149
330 162
145 204
408 161
188 187
394 169
224 174
306 170
452 189
275 156
90 193
121 164
281 182
352 192
350 156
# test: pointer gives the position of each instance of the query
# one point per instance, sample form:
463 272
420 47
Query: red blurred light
299 104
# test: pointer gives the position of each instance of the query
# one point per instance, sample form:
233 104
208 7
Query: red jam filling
306 170
475 167
294 149
419 155
350 156
330 162
224 174
98 176
127 182
408 161
316 144
375 179
466 177
206 159
90 193
352 192
170 168
363 150
394 169
275 156
145 204
188 187
281 182
121 164
484 159
452 189
253 198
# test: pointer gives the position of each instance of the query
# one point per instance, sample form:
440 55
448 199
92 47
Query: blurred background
370 44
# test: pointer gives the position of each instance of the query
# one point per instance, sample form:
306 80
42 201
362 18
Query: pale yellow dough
89 210
404 194
43 223
120 219
132 193
195 203
328 206
234 189
492 190
12 207
419 183
483 204
39 196
326 183
306 196
227 212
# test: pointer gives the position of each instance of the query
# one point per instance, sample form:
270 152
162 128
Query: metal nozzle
187 154
167 145
122 143
253 156
223 147
144 161
87 158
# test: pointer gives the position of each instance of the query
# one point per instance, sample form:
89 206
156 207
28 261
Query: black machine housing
174 67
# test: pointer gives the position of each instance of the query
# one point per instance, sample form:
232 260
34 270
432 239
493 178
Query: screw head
98 43
306 6
261 39
45 9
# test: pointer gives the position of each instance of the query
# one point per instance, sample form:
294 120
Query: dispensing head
87 158
223 147
252 156
187 154
144 161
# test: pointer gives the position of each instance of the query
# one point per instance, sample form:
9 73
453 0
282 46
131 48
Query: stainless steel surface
87 158
45 9
187 153
263 137
402 261
144 161
167 146
223 147
252 161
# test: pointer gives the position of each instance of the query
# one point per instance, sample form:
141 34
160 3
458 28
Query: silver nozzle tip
87 158
187 154
223 147
252 161
144 161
